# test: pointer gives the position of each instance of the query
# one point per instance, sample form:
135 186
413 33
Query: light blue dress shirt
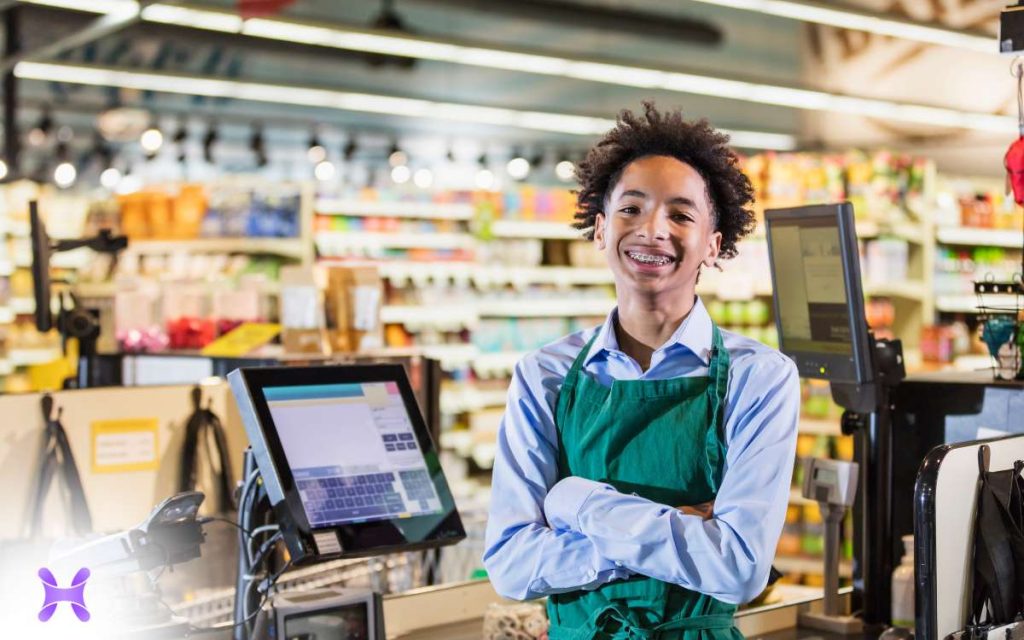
547 536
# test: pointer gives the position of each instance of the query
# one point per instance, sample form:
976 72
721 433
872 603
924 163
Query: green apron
662 440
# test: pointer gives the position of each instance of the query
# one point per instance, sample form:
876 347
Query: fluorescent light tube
351 101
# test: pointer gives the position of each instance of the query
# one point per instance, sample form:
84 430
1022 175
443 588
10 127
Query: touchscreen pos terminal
346 460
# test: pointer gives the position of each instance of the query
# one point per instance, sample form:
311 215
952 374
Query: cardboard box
353 302
302 312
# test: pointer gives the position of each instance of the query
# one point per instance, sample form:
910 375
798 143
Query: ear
714 247
599 237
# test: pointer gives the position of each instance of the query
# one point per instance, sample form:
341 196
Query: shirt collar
694 334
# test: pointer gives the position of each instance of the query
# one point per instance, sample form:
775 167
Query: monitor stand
868 415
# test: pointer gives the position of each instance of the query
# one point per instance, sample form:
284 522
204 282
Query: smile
651 259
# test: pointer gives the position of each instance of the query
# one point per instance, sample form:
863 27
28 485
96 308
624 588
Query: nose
655 225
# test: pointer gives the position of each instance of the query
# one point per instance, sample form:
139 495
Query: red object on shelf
1014 163
257 8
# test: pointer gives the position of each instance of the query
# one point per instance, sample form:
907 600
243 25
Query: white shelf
867 230
288 247
6 366
485 276
969 303
797 498
442 316
535 229
18 228
559 308
422 210
978 237
908 289
814 426
497 364
7 315
451 356
22 357
6 267
337 243
22 306
469 399
813 566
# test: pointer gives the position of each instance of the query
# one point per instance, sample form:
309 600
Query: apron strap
718 372
569 382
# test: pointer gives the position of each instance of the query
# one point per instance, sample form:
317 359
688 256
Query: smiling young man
643 466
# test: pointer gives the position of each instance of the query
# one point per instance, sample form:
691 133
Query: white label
113 449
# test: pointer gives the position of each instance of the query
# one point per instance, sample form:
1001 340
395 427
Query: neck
646 323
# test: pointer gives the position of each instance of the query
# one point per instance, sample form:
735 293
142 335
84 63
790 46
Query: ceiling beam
98 28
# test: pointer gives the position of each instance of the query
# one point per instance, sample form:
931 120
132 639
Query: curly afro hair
657 133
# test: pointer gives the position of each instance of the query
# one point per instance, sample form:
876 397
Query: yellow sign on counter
242 339
129 444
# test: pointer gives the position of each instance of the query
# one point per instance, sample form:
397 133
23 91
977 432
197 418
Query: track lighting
209 140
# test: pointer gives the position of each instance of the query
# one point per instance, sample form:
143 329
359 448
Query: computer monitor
40 268
346 460
819 302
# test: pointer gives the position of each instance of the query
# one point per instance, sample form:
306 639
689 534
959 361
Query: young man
644 466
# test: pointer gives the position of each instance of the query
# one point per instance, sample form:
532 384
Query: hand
704 510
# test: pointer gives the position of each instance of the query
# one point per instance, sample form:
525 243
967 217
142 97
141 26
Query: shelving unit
297 248
974 237
534 229
395 209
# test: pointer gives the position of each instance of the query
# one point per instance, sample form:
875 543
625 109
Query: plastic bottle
903 587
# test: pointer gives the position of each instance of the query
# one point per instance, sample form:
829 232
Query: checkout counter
331 500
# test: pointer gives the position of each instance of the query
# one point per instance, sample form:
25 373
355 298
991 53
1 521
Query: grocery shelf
331 243
908 289
499 363
288 247
6 267
6 366
7 315
18 228
813 566
558 308
40 355
483 276
22 305
909 231
470 399
535 229
969 303
451 356
814 426
421 210
797 498
444 315
980 237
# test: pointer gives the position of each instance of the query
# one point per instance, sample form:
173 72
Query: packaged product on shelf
137 326
302 311
232 308
187 317
353 304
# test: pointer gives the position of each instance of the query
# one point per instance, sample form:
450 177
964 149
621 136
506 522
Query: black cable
206 519
57 460
200 426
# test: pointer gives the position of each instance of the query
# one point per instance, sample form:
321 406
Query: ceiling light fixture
324 171
412 46
423 178
400 174
151 140
315 151
3 170
565 170
362 102
109 178
848 18
209 140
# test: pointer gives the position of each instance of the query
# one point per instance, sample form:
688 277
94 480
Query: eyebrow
676 200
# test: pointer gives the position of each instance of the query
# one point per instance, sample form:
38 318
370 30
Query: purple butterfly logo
74 594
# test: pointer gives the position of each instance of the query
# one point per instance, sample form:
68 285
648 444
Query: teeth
649 259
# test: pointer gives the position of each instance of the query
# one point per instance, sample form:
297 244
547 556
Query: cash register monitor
819 303
346 460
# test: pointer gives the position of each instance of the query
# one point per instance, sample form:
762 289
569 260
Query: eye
679 216
629 209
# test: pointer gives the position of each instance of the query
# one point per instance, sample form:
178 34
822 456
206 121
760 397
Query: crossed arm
546 536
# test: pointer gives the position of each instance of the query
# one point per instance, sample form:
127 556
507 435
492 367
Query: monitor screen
346 459
816 285
339 623
353 452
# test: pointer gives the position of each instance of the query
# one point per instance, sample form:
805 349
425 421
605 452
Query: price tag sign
242 339
129 444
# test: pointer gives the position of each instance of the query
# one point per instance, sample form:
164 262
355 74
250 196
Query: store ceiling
664 35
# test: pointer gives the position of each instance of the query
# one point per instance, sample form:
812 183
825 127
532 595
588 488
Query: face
657 228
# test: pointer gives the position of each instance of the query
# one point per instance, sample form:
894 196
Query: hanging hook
46 403
1017 71
197 398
